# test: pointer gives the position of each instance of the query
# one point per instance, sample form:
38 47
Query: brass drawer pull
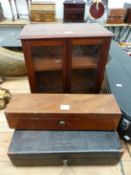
62 123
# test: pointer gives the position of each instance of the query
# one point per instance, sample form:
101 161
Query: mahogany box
116 16
74 10
42 11
63 112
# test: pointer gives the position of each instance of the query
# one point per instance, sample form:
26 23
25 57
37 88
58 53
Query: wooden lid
63 103
72 30
41 2
117 12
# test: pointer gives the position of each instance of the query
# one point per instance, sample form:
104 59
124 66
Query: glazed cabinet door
88 59
45 65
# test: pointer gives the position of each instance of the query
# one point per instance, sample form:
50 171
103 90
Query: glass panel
48 67
84 65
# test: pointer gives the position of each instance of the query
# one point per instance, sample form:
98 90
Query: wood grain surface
40 31
63 112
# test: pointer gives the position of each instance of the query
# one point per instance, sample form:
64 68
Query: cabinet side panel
29 65
102 63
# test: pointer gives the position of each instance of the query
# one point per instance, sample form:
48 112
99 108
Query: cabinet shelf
47 64
83 62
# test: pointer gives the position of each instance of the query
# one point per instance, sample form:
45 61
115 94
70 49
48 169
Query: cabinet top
74 2
72 30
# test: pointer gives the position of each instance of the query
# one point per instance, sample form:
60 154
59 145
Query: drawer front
69 6
76 11
115 20
40 16
74 16
63 122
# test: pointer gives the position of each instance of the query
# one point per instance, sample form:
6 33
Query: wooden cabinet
42 11
65 58
63 112
74 10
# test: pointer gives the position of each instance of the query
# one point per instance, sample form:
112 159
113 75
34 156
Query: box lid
42 3
62 104
74 2
49 142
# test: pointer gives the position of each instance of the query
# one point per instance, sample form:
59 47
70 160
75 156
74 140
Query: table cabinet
65 58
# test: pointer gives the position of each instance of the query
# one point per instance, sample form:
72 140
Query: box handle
62 123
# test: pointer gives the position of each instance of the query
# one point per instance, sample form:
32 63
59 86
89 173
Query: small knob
61 123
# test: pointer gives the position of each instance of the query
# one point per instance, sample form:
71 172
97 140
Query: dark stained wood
74 10
128 16
36 39
50 81
74 2
88 41
63 112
